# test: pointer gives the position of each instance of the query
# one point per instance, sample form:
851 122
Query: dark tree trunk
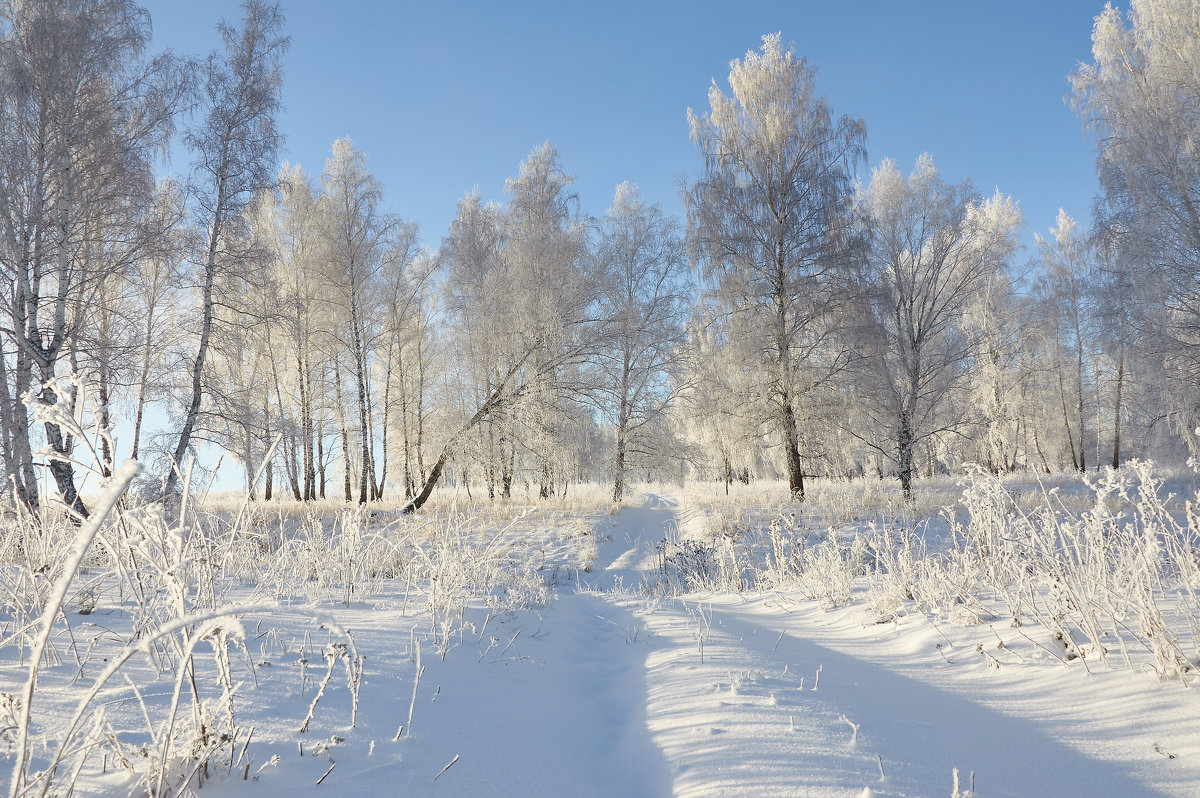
904 453
60 464
791 441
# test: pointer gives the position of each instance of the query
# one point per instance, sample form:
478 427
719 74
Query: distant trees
235 144
935 249
835 328
524 303
82 112
644 300
769 221
1141 97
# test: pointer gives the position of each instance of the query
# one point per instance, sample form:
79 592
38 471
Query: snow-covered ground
613 689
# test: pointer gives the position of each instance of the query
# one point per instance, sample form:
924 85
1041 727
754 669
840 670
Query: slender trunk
507 464
269 467
409 486
1116 460
623 414
27 486
619 476
320 438
288 442
304 376
61 446
420 410
104 420
192 409
489 474
341 409
28 343
7 417
1079 408
383 447
367 464
248 461
544 487
1075 462
422 497
1041 455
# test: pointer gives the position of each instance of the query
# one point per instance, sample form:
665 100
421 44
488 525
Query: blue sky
446 96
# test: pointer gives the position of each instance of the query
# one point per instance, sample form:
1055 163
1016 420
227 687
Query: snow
611 690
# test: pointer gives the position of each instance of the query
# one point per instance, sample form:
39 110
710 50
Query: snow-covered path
771 713
745 718
607 692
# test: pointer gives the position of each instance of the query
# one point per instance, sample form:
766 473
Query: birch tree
529 295
405 354
552 293
359 239
301 364
1065 297
82 114
235 145
1119 297
769 221
934 249
1141 98
473 255
644 299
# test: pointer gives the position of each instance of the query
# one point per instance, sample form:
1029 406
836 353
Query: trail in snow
626 559
732 707
772 714
607 692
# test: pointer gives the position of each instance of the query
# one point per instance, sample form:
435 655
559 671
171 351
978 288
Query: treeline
810 319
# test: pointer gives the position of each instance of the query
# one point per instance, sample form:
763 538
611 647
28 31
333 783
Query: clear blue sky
446 96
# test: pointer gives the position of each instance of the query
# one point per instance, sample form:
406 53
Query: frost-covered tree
522 304
644 301
358 237
305 341
1064 295
720 407
1141 97
404 349
769 221
934 249
235 143
545 248
155 292
1001 392
1119 297
473 256
83 113
127 322
288 227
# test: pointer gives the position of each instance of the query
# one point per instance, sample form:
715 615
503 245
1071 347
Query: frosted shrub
695 566
1096 578
827 572
685 567
339 558
170 580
